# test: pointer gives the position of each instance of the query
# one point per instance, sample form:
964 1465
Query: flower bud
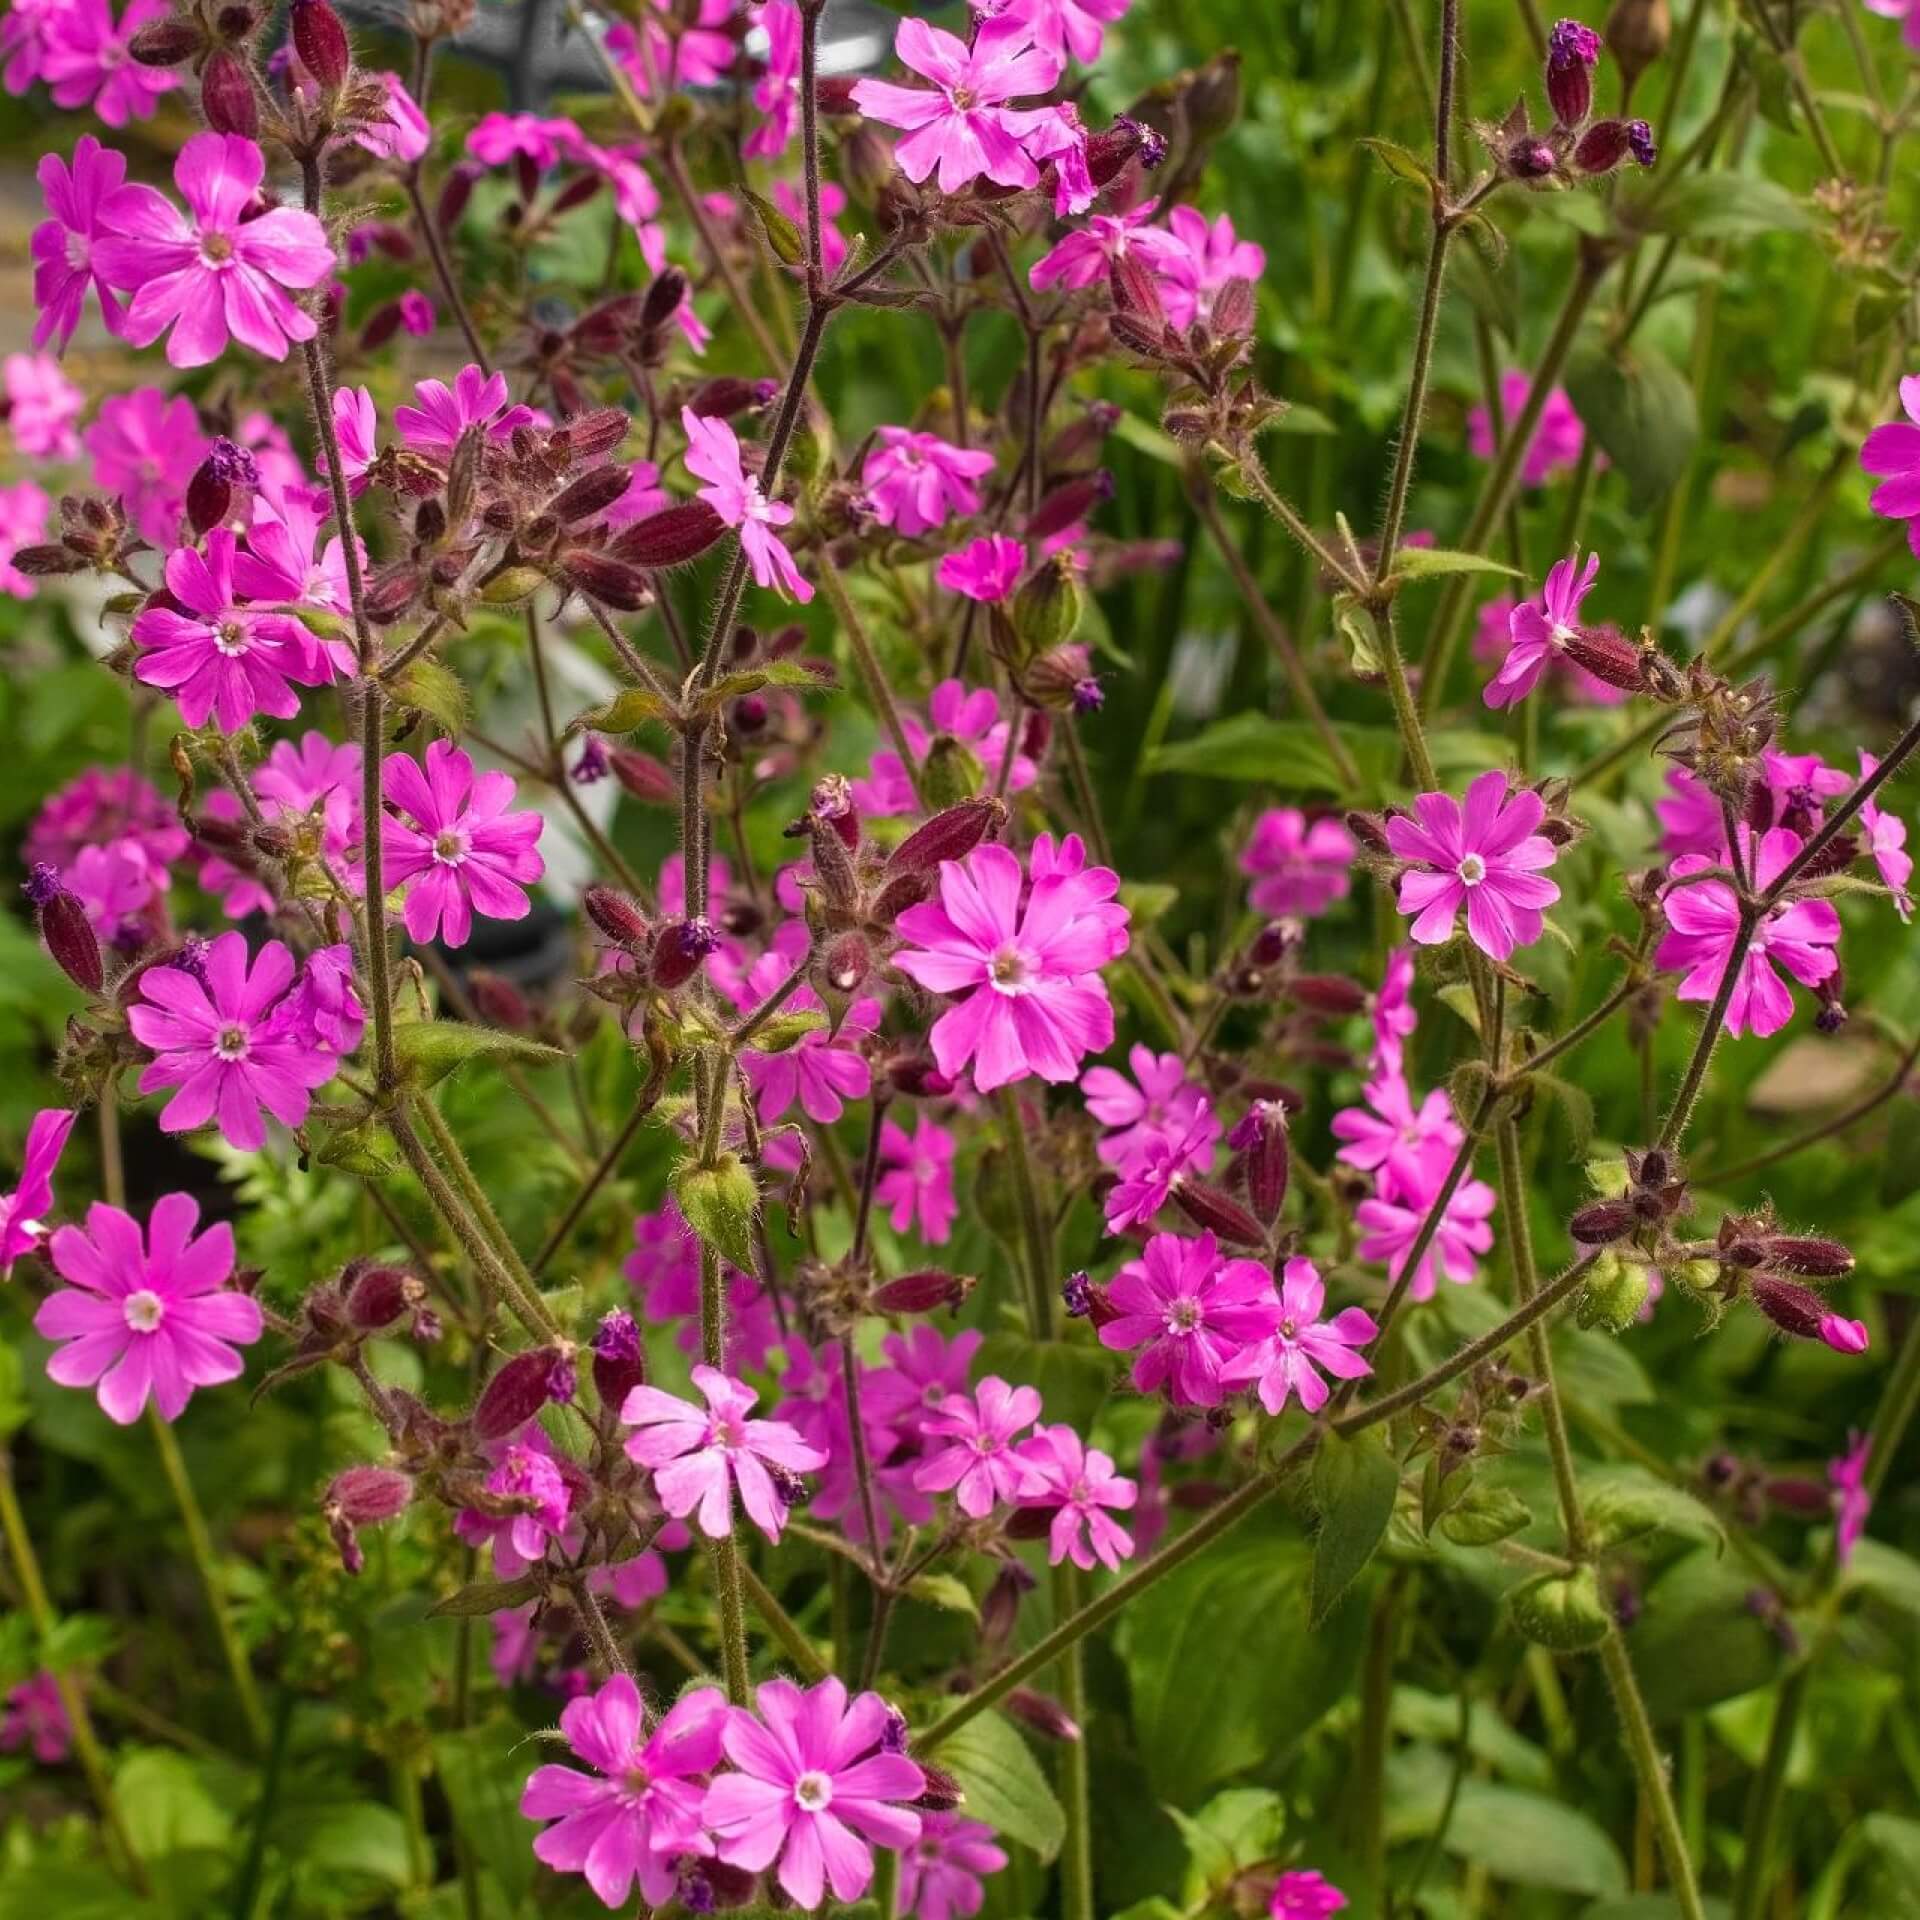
455 191
515 1394
613 583
670 538
1607 654
1218 1213
1573 51
616 916
679 949
593 493
866 165
1601 148
379 1296
1328 993
1066 506
1605 1220
1530 158
950 835
662 299
1637 32
917 1078
1000 1610
1135 293
1843 1336
363 1497
644 777
321 42
1369 830
1213 97
500 1003
65 929
168 42
228 103
949 774
924 1292
619 1359
1791 1307
846 963
1614 1293
1262 1138
1127 139
1800 1253
1044 1715
1059 680
1076 1294
1047 608
942 1792
729 394
220 494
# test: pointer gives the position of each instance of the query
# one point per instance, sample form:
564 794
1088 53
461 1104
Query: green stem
872 675
1651 1768
785 1628
731 1625
526 1290
1076 1851
1038 1242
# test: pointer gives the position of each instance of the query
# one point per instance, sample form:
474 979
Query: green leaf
785 1030
1355 1483
1235 1830
486 1596
1562 1611
1219 1664
1531 1841
1485 1515
40 1888
789 244
1003 1784
482 1772
436 691
1431 563
719 1203
1884 1572
1697 1642
1287 754
945 1590
1402 163
1627 1503
170 1804
429 1050
631 707
1642 413
1430 1716
13 1403
1722 206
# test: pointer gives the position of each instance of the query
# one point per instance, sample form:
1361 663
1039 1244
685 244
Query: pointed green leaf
429 1050
1354 1486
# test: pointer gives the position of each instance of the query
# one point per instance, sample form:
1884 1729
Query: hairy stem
1076 1796
1038 1242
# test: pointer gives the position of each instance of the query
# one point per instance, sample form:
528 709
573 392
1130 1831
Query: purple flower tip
593 764
1530 159
618 1338
1088 694
42 883
700 936
1640 142
695 1891
1570 43
192 957
564 1380
893 1736
233 464
1153 143
1076 1292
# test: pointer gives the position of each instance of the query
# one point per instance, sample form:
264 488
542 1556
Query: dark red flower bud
455 191
1791 1307
499 1002
166 43
942 1792
1044 1715
1369 830
1603 1221
1801 1253
49 561
1127 139
515 1394
924 1292
917 1078
594 492
591 435
643 776
847 961
222 488
662 299
363 1497
379 1296
1601 148
1607 654
669 538
228 102
1573 51
1274 942
619 1359
730 395
1066 506
1000 1610
1810 1497
678 951
1101 1312
1531 159
611 582
1218 1213
576 193
1262 1138
1135 292
616 916
1328 993
950 835
382 324
391 593
64 927
321 42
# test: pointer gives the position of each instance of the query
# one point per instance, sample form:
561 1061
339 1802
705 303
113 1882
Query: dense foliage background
1411 1745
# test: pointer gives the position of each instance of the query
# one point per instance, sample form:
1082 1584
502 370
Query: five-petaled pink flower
697 1457
1704 918
462 852
1060 28
1390 1228
1191 1311
1556 441
1081 1486
88 62
1487 859
1157 1106
1538 630
1291 1359
940 1873
639 1811
41 404
815 1775
145 446
986 569
916 1179
444 413
1893 453
1297 866
981 1462
222 1036
219 273
713 455
218 658
22 1210
530 1474
146 1315
916 482
1030 973
962 124
1407 1147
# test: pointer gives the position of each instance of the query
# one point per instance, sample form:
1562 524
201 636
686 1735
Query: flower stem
872 675
443 267
785 1628
1650 1767
1076 1798
386 1068
1038 1242
86 1743
731 1625
483 1212
1841 1121
603 1170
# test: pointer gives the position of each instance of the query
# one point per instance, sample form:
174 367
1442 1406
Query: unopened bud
616 915
678 951
363 1497
455 192
846 963
220 494
1262 1138
1369 830
1800 1253
643 776
593 493
1843 1335
321 42
1213 97
612 582
1601 148
917 1078
941 1792
1218 1213
729 395
500 1003
949 835
166 43
1605 1220
924 1292
1000 1610
379 1296
1044 1715
1614 1293
1637 32
1328 993
228 103
515 1394
1127 139
1066 506
1607 654
662 299
64 928
1046 609
1573 51
670 538
619 1359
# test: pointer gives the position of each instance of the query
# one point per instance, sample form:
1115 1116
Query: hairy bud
515 1394
678 951
1218 1213
65 929
923 1292
379 1296
670 538
617 916
643 776
363 1497
1262 1138
166 43
950 835
321 42
619 1359
227 99
611 582
1573 51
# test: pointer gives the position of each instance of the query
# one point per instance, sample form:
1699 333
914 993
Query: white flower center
231 638
79 252
1472 870
813 1792
216 249
450 846
1009 969
144 1310
1183 1316
230 1043
1560 633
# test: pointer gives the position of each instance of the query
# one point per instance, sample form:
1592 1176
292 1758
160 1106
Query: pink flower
1033 999
1704 920
643 1810
961 124
1852 1503
1192 1312
822 1070
404 135
1157 1167
698 1458
1886 842
1080 1484
497 138
1538 630
1691 817
106 803
23 523
1084 255
115 885
222 1037
916 1181
1059 28
1893 452
145 448
530 1474
26 30
218 273
36 1717
814 1775
41 406
1209 254
987 569
87 62
21 1210
660 61
940 1873
217 658
1844 1335
981 1463
444 413
713 455
355 425
1394 1019
462 851
969 715
323 1011
1565 677
1390 1229
1907 11
1408 1149
1296 867
146 1315
1303 1895
774 93
1161 1108
1486 860
915 482
317 778
284 562
928 1370
1292 1358
1556 441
